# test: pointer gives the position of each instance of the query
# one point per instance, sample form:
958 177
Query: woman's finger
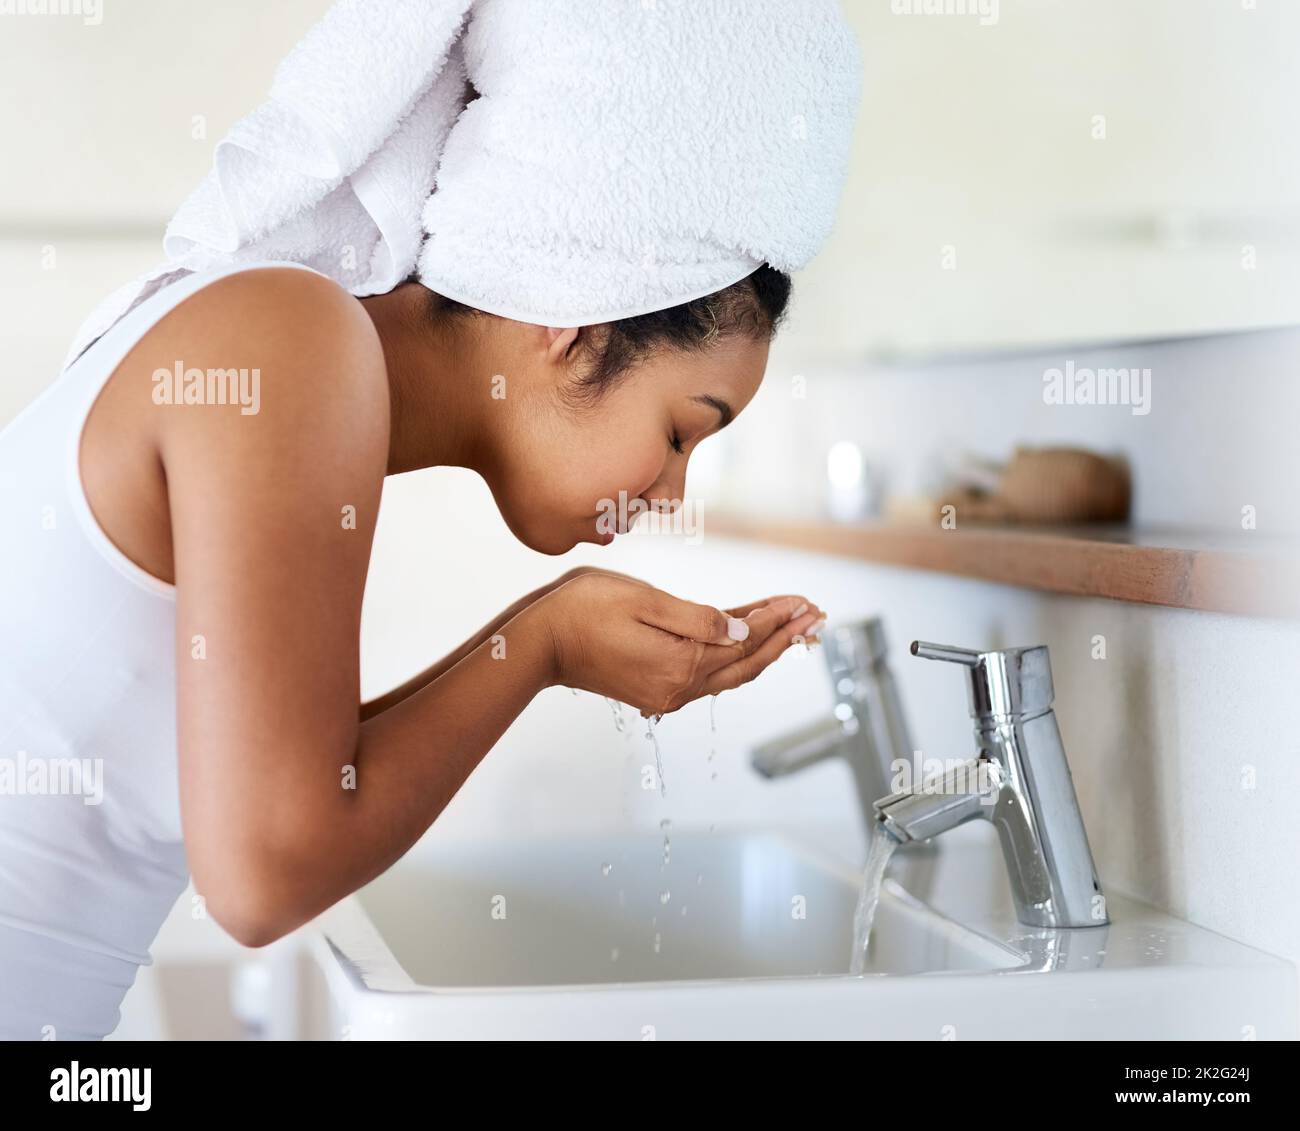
763 622
701 623
745 668
745 610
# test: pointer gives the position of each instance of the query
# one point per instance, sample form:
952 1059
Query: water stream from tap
879 851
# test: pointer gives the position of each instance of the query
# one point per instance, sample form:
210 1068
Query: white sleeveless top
91 851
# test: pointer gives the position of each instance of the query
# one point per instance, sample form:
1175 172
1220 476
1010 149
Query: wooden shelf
1154 567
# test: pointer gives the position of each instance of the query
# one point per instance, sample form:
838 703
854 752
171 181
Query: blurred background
1082 181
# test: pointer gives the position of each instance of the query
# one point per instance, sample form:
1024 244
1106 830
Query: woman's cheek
633 471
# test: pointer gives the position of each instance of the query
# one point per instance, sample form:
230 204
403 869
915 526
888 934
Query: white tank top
91 852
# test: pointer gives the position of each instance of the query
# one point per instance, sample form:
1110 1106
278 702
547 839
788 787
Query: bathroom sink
747 934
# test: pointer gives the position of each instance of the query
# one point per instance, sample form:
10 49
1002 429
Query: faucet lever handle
1012 681
945 652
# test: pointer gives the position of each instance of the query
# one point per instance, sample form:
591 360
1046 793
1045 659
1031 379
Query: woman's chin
558 538
553 543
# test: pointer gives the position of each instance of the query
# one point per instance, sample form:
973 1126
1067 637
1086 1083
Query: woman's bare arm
289 801
391 698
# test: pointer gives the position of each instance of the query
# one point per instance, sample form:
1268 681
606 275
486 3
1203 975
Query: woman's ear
559 341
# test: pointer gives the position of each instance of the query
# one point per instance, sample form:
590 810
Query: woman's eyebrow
724 409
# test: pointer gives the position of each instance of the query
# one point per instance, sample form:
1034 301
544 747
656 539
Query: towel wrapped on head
559 162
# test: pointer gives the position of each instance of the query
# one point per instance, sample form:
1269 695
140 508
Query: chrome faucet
1019 780
867 727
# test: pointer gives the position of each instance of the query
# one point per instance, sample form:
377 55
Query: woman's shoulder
305 345
285 321
279 302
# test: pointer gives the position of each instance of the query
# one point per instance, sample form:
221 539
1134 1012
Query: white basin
540 940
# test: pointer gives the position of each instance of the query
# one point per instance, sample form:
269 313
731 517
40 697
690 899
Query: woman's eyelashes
676 444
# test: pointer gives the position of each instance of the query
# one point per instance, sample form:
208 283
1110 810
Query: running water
617 708
659 762
713 733
878 853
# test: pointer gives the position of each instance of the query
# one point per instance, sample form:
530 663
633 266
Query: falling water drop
620 724
658 940
605 869
665 896
659 762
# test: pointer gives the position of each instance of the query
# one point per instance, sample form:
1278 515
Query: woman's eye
677 444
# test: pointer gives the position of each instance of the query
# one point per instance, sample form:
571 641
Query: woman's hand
810 637
620 637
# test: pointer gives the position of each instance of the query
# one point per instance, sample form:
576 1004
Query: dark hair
755 306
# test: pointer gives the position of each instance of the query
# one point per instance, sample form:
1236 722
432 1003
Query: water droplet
699 878
665 896
659 762
605 869
619 724
613 955
683 909
713 715
658 940
665 824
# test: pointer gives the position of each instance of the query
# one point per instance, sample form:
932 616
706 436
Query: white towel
621 156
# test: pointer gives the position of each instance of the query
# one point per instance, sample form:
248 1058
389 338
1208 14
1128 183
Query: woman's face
567 471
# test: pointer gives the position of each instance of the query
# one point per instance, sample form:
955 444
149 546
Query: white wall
981 139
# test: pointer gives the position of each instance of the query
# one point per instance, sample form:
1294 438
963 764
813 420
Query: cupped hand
622 638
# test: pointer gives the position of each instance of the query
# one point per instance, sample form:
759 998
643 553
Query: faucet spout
825 738
967 792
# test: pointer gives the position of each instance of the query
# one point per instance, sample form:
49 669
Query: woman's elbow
249 910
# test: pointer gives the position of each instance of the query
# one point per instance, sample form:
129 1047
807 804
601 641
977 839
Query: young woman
191 504
185 586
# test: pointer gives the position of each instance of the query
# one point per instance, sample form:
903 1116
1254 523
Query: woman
188 604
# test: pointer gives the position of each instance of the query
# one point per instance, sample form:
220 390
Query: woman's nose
666 495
